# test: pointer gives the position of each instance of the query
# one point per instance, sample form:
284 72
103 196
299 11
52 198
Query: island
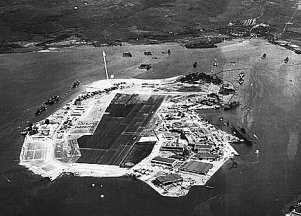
150 130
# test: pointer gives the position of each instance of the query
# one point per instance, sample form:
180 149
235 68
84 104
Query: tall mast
104 60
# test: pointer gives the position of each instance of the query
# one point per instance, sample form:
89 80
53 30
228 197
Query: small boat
231 105
147 53
127 54
240 81
41 109
145 66
7 179
52 100
215 64
241 133
24 132
75 84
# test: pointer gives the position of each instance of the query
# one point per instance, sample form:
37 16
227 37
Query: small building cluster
185 133
189 149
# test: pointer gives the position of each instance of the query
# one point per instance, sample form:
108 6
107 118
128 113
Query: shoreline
29 47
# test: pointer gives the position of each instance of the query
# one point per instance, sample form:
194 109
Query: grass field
118 131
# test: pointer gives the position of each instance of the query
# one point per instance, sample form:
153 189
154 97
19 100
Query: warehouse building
171 136
202 148
168 179
196 167
207 156
173 146
164 161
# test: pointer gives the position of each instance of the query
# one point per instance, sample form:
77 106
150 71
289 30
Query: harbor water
262 184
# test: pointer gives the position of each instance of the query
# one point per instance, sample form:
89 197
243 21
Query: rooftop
196 167
168 179
163 160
